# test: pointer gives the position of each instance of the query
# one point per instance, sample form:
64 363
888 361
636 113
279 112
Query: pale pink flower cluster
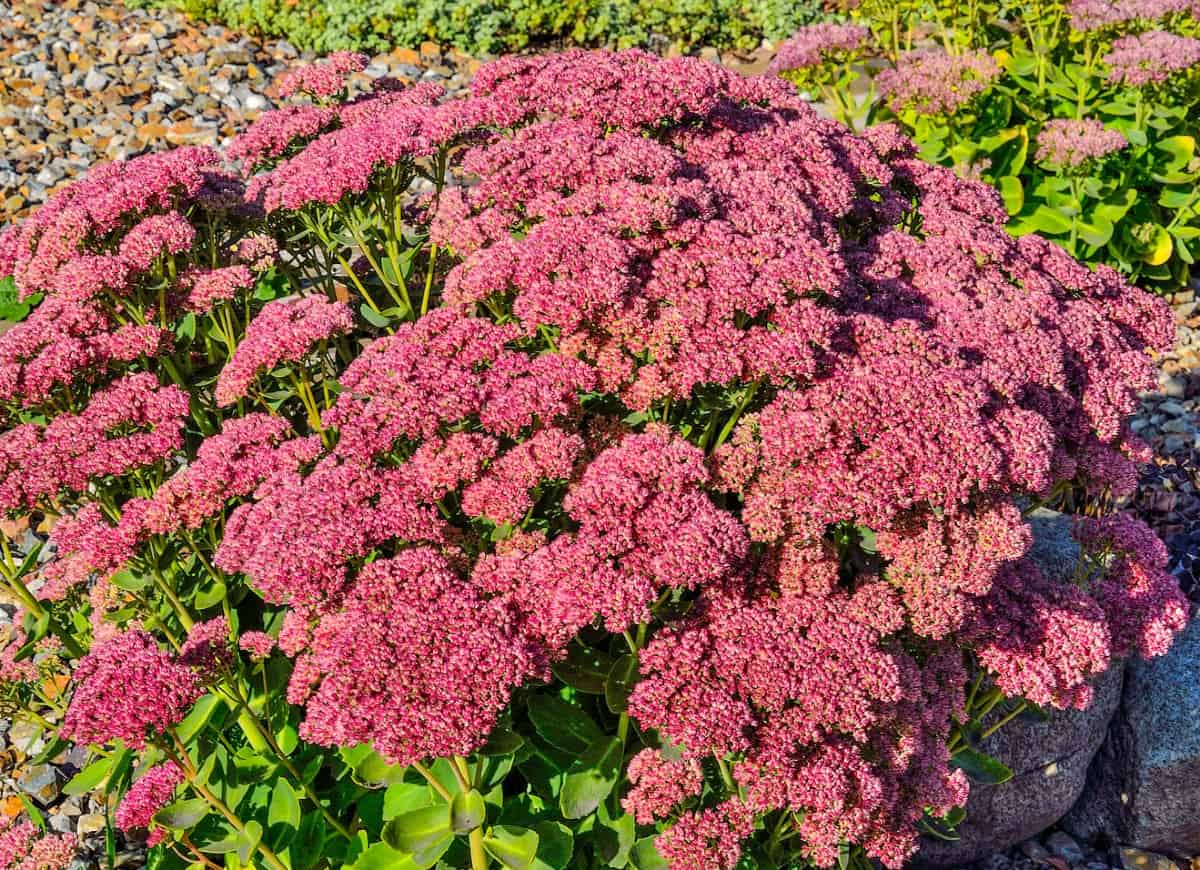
1069 143
1151 58
258 251
153 790
257 644
283 331
813 45
935 83
24 847
1097 14
206 287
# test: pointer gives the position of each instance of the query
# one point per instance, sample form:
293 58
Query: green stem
479 858
183 760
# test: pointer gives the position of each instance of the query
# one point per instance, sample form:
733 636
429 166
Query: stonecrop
620 461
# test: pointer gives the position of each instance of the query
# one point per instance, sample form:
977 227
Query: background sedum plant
618 466
493 27
1081 114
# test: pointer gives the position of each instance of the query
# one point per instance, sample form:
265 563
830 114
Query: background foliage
481 26
1136 209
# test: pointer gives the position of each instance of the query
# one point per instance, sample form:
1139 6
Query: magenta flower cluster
935 83
153 790
695 343
1069 143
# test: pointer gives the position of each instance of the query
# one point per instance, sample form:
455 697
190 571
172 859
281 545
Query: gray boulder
1049 756
1143 788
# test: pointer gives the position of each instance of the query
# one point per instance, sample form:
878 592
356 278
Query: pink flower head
154 237
228 465
659 784
812 45
932 83
24 847
127 688
257 251
1151 58
1068 143
90 275
152 791
1099 14
284 331
257 644
208 649
411 621
322 80
273 133
65 343
206 287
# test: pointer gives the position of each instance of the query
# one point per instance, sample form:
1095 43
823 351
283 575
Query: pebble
1063 845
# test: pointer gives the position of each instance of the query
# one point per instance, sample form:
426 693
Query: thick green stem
479 858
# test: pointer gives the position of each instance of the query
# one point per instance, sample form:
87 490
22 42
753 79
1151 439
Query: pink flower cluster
411 621
284 331
23 847
153 790
131 423
810 46
322 80
1089 15
934 83
1151 58
128 689
1065 142
65 344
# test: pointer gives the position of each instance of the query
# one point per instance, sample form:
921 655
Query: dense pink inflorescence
1151 58
1069 143
130 423
128 689
24 847
934 83
322 80
411 621
1098 14
153 790
284 331
811 45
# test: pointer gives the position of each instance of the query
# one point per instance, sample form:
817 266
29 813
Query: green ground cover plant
489 27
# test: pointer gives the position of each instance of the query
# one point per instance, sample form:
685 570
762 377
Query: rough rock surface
1144 787
1049 755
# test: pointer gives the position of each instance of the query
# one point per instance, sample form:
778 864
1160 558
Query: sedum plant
1081 114
617 466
